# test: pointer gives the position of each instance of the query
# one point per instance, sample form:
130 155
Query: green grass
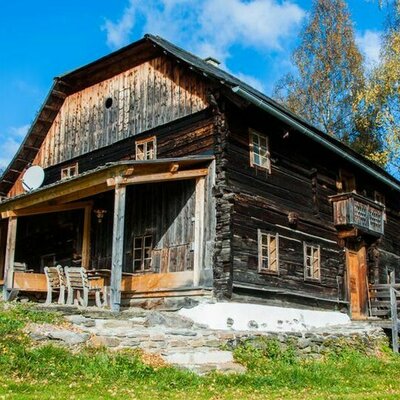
50 372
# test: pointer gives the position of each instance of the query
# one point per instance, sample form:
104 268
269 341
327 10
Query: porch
146 227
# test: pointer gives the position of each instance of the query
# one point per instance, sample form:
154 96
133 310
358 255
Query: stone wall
315 344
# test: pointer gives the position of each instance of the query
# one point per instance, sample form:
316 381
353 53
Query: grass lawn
29 371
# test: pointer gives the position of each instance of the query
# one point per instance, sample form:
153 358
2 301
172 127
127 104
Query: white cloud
370 45
10 143
251 80
211 27
19 132
118 33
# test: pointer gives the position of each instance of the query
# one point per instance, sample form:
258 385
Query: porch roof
105 178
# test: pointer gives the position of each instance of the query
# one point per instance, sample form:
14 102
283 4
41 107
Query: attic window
69 171
109 102
146 149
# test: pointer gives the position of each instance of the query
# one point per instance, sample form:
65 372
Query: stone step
224 368
198 357
203 361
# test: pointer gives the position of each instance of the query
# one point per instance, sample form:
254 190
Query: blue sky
252 38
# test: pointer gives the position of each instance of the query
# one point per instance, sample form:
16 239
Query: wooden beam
10 254
34 148
3 244
348 234
198 230
129 172
51 108
173 167
47 209
59 94
86 237
47 119
81 194
160 177
117 247
66 191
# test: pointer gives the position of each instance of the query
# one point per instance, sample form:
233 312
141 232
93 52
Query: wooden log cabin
183 181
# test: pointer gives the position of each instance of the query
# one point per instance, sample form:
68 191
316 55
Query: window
346 182
146 149
312 262
379 198
142 247
69 171
268 252
259 151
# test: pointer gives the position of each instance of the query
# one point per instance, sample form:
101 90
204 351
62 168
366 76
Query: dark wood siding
302 177
164 211
189 136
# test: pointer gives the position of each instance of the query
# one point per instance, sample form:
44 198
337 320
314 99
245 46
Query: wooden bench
77 280
55 283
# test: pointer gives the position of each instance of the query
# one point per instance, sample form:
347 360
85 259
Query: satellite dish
33 178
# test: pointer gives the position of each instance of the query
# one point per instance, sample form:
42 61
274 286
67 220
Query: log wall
191 135
303 176
301 179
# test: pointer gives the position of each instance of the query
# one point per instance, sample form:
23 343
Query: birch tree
328 71
377 107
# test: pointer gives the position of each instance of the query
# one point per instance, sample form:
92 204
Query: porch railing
385 302
355 211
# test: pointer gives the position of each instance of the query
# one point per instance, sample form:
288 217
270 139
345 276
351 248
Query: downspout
290 121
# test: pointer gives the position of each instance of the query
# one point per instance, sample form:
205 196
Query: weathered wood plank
198 230
10 254
117 247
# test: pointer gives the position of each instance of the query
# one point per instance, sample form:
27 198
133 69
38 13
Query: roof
89 178
148 47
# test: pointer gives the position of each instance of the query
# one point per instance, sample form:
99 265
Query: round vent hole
109 102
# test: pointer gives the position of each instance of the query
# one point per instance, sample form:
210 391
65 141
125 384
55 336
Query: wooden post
9 259
393 314
198 230
86 237
395 321
117 247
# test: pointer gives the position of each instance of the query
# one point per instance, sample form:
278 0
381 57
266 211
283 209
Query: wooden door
357 282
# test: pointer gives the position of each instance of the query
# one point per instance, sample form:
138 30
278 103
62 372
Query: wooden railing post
395 320
117 247
393 313
9 259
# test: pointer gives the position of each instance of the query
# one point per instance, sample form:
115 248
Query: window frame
267 165
381 199
143 257
144 143
262 257
67 169
312 258
346 182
